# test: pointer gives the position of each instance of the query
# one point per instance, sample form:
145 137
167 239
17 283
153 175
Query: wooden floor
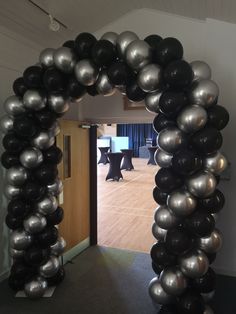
126 208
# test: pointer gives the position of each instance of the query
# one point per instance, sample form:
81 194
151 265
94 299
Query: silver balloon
164 218
17 253
46 57
103 85
16 175
121 89
31 157
162 158
158 232
194 264
157 293
215 163
47 205
207 297
208 310
123 40
58 103
204 93
138 54
13 106
43 140
86 72
110 36
152 102
6 124
34 99
64 59
35 223
35 288
192 119
50 268
181 203
201 70
149 78
173 281
20 240
56 188
59 247
171 139
11 191
211 244
202 184
55 129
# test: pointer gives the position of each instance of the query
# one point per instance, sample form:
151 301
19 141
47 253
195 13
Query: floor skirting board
76 250
4 275
224 271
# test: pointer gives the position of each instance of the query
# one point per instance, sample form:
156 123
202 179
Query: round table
114 172
103 158
152 150
127 159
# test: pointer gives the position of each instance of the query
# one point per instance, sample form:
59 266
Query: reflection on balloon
162 158
157 293
204 93
152 102
138 54
201 70
215 163
164 218
212 243
173 281
202 184
171 139
181 203
194 264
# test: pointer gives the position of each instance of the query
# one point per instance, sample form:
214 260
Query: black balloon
178 241
33 76
58 278
9 160
206 283
19 86
169 49
207 141
47 237
190 302
186 162
33 191
172 102
24 127
56 217
157 268
69 44
45 118
178 74
161 256
36 256
92 90
103 53
201 223
13 144
46 173
161 122
22 271
153 40
74 89
213 203
134 92
84 43
18 208
167 181
13 222
53 155
159 196
119 73
16 284
54 80
211 257
218 117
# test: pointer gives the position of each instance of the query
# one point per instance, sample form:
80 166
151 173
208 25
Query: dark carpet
106 281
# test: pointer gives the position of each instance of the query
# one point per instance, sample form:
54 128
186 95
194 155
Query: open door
74 172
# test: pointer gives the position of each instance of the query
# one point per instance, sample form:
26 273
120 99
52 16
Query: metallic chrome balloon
31 157
11 191
171 139
158 232
149 78
162 158
16 175
110 36
103 85
194 264
64 59
35 288
13 106
55 129
59 247
123 40
165 219
50 268
152 102
86 72
43 140
173 281
56 188
181 203
201 70
208 310
138 54
157 293
47 205
215 163
208 296
211 244
192 119
35 223
46 57
20 240
34 99
6 124
202 184
58 103
17 253
204 93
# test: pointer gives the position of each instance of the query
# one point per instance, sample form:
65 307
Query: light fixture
53 24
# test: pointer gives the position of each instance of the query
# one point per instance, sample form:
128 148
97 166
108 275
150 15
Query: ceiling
20 16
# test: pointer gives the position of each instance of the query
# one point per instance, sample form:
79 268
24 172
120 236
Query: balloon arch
188 123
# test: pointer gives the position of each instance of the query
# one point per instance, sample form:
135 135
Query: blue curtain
138 134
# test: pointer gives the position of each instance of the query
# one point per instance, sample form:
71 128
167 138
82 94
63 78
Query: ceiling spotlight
53 24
